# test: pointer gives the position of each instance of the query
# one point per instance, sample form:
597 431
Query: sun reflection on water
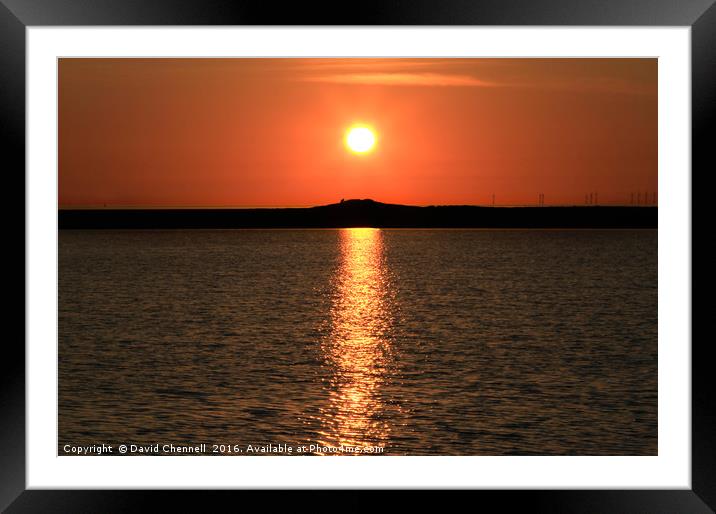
358 347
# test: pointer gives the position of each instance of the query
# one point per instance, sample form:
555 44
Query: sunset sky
270 132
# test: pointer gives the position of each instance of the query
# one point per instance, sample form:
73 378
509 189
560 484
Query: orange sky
269 132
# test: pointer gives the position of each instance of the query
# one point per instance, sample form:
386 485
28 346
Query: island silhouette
364 213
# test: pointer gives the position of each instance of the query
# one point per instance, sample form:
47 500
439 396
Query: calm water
420 342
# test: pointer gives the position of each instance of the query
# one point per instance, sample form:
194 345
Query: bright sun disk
360 139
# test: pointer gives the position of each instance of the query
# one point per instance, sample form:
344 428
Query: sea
358 341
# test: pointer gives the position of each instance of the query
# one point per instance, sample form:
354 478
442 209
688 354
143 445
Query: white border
670 469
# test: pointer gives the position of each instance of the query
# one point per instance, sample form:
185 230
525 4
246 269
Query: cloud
401 79
608 76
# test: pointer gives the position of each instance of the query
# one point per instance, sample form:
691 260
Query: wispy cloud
401 79
624 77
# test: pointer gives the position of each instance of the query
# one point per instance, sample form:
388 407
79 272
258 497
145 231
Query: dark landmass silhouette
364 213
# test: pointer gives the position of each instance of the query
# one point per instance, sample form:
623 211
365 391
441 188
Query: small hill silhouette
365 213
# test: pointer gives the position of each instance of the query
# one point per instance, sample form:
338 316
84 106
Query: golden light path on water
358 347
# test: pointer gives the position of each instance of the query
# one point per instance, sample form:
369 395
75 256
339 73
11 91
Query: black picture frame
17 15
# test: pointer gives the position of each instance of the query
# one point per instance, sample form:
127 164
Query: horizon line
310 206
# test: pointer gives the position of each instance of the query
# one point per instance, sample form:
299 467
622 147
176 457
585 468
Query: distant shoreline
363 213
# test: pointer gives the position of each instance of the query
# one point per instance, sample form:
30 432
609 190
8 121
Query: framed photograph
435 247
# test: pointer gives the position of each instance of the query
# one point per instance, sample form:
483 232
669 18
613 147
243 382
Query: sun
360 139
